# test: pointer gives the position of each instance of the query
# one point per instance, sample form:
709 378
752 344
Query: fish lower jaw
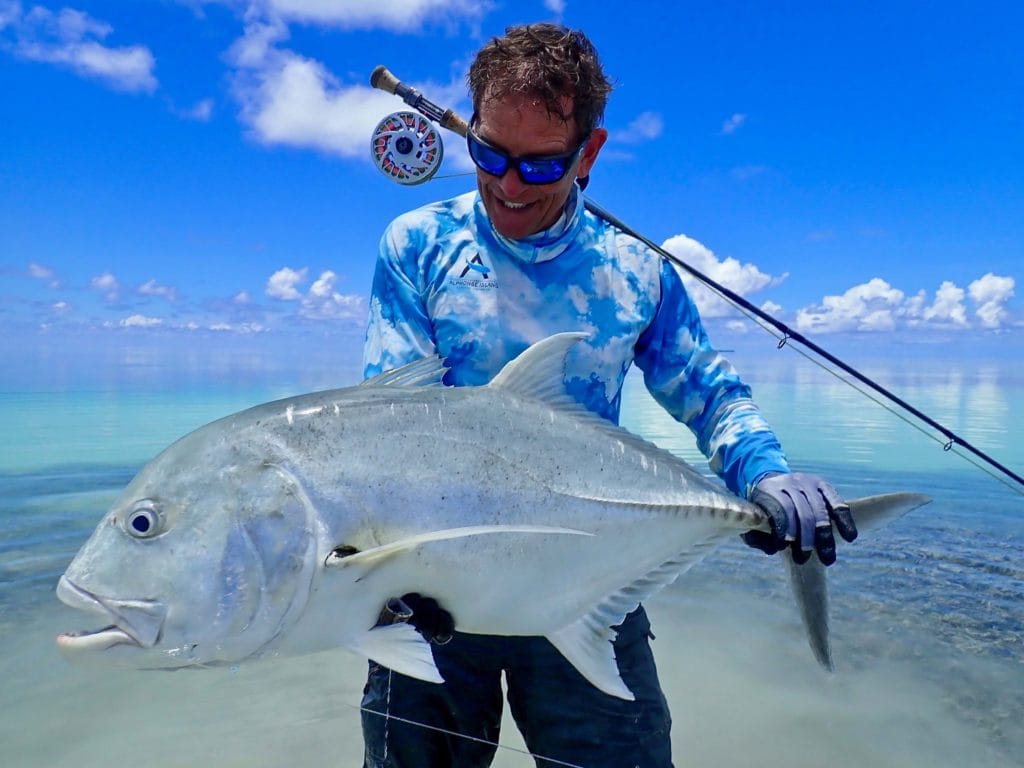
143 632
98 640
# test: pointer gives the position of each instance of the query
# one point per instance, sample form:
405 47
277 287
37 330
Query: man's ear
590 152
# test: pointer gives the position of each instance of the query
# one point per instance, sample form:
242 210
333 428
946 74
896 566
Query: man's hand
423 614
801 509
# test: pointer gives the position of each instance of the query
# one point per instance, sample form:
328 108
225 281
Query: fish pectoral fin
398 647
587 645
341 558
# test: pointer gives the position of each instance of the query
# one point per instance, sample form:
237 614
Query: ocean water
928 613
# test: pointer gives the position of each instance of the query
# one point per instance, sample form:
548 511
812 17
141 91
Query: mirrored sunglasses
535 169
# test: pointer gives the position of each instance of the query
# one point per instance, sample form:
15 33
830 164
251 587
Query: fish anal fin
587 645
587 642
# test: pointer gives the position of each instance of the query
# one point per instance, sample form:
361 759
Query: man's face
523 127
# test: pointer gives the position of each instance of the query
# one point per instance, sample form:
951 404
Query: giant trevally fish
286 527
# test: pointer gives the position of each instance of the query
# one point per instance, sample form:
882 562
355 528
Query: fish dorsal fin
539 372
587 642
427 372
398 647
371 558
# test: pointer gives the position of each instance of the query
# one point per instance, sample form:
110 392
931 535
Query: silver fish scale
381 464
487 434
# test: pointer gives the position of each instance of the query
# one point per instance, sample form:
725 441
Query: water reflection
821 418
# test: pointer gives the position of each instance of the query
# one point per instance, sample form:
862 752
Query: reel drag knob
406 147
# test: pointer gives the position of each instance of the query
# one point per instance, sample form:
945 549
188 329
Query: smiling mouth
133 622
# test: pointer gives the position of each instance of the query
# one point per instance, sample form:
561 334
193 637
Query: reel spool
406 147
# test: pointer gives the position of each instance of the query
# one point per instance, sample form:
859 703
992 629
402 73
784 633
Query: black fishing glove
801 510
424 614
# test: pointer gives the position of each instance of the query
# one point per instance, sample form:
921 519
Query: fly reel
406 147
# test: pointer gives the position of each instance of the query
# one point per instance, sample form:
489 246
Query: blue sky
196 170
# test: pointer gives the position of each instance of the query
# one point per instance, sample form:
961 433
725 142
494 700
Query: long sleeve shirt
448 284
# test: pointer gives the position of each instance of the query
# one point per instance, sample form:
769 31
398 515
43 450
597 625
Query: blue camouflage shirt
447 283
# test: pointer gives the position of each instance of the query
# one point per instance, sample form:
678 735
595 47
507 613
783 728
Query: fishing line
447 732
949 445
383 79
455 175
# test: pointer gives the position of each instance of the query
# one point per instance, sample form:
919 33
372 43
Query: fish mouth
135 623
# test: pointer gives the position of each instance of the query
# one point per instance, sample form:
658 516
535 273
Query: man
478 278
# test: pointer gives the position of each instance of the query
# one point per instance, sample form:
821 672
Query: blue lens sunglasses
534 169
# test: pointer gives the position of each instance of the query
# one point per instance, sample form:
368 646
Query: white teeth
513 206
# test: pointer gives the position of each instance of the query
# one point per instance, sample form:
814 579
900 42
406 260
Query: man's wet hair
547 62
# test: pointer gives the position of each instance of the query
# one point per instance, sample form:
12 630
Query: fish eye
143 521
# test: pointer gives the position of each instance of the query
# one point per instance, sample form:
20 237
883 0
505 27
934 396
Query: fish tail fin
808 581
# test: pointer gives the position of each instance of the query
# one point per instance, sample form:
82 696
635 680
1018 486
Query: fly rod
383 79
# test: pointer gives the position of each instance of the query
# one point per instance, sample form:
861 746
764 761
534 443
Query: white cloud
292 100
71 39
60 307
870 306
10 12
42 272
243 328
878 306
322 302
140 321
295 101
282 284
644 127
733 124
256 45
557 7
948 306
395 15
743 279
39 271
153 288
201 111
989 293
108 285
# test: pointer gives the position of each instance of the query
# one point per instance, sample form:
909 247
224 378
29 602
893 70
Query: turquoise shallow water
928 616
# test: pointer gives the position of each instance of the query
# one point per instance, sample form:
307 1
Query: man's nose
511 185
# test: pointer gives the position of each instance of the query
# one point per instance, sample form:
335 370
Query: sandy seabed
742 685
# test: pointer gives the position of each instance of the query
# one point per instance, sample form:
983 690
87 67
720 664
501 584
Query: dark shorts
561 716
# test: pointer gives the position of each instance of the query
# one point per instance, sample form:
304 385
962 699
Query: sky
186 170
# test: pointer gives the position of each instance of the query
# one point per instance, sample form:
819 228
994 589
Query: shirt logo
476 264
476 274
